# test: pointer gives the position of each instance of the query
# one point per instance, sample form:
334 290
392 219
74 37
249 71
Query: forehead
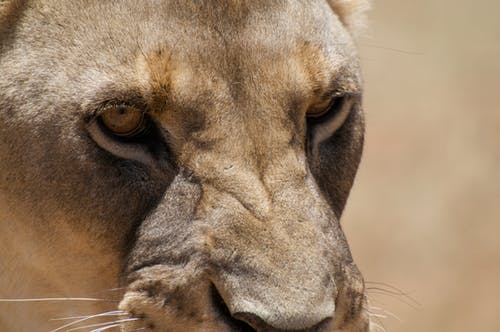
254 22
187 45
206 32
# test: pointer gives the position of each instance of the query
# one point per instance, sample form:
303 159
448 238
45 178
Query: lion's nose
262 318
263 326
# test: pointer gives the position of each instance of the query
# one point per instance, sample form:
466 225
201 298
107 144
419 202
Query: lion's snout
163 300
224 269
183 298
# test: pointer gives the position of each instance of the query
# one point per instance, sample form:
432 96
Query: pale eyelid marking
122 150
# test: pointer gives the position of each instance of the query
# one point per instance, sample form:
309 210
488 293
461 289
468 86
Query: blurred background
424 213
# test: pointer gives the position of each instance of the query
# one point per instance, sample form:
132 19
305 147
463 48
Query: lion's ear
351 13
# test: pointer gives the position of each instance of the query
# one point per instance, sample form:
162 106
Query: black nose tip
259 324
247 322
220 306
262 326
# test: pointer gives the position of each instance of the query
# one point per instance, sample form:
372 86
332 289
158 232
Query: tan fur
225 215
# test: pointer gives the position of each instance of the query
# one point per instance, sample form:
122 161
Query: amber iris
124 121
322 109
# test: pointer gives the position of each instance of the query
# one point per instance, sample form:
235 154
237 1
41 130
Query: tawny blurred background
424 213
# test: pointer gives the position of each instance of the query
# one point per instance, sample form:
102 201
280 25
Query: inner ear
351 13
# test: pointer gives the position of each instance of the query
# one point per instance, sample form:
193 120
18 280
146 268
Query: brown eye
320 110
124 121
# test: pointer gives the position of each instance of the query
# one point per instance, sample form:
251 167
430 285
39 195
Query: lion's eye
321 110
124 121
324 121
128 132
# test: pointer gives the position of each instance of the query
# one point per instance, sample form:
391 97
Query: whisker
55 299
372 299
104 314
109 313
371 314
385 291
387 312
391 289
377 316
106 328
392 49
380 323
400 297
102 324
378 326
383 284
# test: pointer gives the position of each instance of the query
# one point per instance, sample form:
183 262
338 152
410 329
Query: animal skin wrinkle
170 262
257 203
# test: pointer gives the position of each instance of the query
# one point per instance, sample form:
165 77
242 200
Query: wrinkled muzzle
208 259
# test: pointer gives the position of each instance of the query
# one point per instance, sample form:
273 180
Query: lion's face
197 154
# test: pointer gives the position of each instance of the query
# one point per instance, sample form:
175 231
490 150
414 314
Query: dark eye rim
150 146
322 128
329 112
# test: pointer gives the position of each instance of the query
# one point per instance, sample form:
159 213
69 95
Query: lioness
178 165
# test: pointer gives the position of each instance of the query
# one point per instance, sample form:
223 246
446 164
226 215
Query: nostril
252 319
263 326
221 307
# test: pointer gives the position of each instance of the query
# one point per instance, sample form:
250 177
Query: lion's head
186 162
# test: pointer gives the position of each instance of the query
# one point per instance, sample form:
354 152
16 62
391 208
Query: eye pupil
123 121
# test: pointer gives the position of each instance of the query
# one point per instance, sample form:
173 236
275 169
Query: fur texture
225 213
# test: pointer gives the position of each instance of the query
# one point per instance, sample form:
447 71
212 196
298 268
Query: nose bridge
242 183
253 172
270 259
280 189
